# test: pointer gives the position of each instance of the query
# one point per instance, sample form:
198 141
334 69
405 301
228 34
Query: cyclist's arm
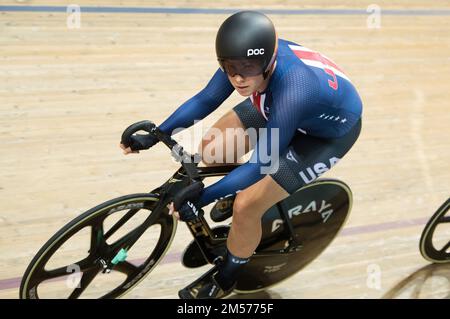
299 90
198 107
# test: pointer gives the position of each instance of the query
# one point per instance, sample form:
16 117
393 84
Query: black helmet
247 35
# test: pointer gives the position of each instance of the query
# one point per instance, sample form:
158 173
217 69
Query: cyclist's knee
242 209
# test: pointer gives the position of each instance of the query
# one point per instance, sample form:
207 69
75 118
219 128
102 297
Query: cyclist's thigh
308 157
226 140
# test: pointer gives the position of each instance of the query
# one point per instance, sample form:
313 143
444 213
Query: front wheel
72 263
430 248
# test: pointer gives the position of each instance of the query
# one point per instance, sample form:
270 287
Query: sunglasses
243 67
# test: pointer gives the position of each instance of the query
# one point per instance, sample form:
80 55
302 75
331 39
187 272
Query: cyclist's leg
305 154
305 160
248 208
225 141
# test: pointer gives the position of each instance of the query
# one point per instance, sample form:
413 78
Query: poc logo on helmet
251 52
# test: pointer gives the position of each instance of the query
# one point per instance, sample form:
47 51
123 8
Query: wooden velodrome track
67 94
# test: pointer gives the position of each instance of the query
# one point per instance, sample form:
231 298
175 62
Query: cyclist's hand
127 150
139 142
188 211
172 211
185 204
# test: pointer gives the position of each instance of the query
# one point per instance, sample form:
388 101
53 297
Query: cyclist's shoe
206 287
223 209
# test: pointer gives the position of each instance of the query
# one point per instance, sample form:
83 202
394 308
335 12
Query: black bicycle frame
188 173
